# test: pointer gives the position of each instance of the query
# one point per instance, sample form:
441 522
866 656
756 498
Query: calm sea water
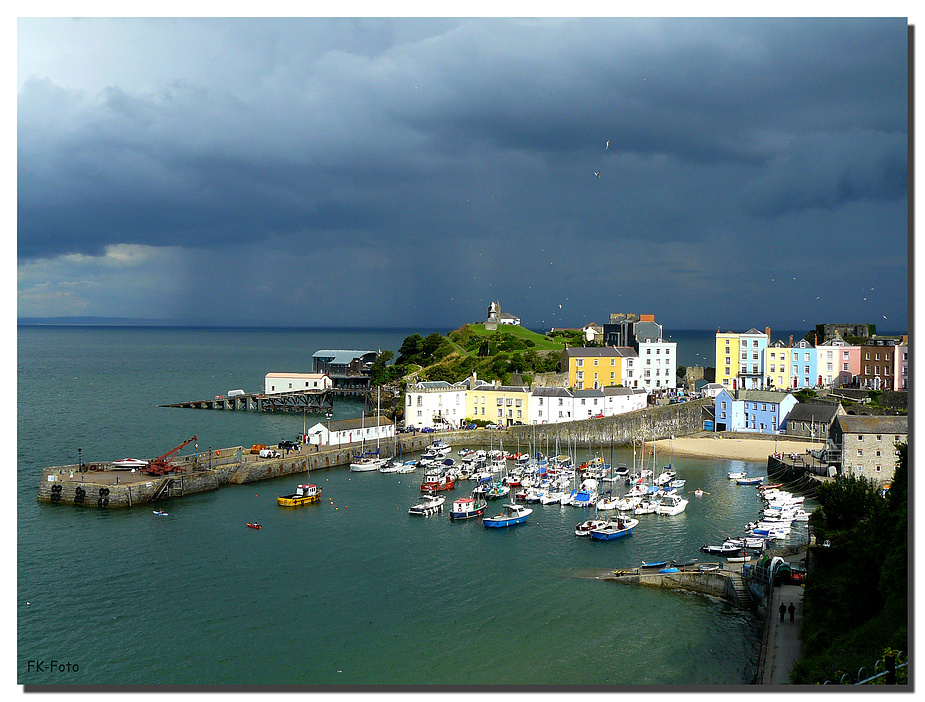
351 591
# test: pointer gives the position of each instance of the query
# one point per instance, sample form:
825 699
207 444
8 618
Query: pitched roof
356 423
551 392
874 424
589 392
806 412
614 390
600 351
769 396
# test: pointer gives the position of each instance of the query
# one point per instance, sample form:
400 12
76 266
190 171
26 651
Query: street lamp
79 460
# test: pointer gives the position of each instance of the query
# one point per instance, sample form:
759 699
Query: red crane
160 466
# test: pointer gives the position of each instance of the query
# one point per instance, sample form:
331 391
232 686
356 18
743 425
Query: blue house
761 411
803 365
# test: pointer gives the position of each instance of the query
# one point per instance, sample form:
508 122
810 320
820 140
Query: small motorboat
727 548
653 564
160 513
614 529
743 558
254 525
736 475
429 504
303 495
749 481
708 566
586 527
511 514
467 508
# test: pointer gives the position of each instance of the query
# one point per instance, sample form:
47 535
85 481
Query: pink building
845 361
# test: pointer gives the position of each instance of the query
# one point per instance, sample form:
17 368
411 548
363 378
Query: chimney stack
791 341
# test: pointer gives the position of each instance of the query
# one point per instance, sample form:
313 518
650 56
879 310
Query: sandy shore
732 448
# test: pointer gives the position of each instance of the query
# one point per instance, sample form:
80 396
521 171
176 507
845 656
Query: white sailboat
368 461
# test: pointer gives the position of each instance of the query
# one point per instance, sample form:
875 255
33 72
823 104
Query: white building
435 404
587 403
274 383
619 400
658 365
368 430
550 406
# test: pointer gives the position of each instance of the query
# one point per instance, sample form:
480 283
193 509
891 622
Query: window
595 361
860 452
844 366
518 402
580 362
420 401
879 437
860 437
409 400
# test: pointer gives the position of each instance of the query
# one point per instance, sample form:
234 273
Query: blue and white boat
614 529
749 481
511 514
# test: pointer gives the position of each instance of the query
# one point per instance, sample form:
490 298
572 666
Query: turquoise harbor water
351 591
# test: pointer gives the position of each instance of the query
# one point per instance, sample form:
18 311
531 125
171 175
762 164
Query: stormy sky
717 173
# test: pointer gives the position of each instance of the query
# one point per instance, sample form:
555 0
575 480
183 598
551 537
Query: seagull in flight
597 174
607 145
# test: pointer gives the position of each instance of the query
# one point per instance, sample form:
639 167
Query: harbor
474 573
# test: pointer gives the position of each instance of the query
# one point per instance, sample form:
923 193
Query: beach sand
732 448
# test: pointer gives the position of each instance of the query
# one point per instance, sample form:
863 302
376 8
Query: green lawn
542 343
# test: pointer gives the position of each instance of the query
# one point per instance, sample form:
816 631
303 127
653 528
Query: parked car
286 445
492 425
428 430
471 426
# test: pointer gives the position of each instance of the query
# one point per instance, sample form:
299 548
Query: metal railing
887 671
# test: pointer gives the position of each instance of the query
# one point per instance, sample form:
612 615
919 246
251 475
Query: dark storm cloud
473 140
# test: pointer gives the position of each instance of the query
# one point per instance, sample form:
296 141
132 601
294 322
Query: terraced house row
439 404
751 361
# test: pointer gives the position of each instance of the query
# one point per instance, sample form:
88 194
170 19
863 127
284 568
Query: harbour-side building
838 362
550 405
865 445
348 370
813 421
364 429
588 403
503 404
597 367
274 383
619 400
435 404
762 411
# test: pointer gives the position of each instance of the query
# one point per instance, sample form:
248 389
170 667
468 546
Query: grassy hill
492 355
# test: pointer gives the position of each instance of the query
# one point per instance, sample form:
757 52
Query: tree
378 373
410 349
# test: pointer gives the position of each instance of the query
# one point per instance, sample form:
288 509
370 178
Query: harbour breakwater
98 485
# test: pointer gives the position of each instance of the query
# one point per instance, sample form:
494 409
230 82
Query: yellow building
502 404
596 367
727 358
776 364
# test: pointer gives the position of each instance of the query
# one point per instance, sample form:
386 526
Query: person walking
783 610
792 610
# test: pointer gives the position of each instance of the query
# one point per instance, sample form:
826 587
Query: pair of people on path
783 609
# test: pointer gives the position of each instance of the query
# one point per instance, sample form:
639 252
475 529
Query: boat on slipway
303 495
511 514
